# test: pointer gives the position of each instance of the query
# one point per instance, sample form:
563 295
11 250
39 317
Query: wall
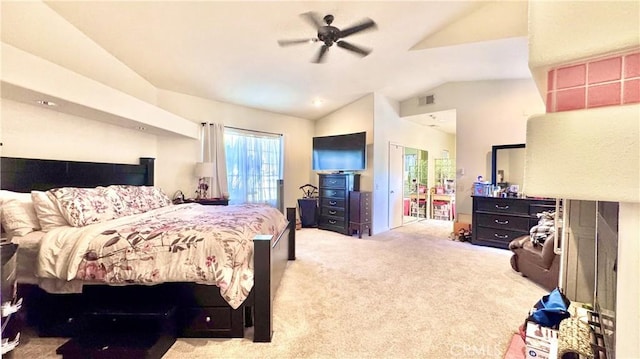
597 29
496 109
354 117
390 127
39 34
178 155
34 132
35 28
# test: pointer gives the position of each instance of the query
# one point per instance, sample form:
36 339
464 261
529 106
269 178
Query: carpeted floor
406 293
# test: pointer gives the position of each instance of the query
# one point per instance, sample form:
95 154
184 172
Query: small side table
212 201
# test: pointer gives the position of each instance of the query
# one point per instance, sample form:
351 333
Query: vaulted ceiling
228 50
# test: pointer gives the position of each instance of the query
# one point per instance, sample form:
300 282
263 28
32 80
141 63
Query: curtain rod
244 129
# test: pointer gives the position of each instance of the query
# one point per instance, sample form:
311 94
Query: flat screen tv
340 152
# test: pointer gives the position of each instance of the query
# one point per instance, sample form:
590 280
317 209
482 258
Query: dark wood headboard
25 174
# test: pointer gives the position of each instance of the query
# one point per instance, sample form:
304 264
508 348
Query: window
254 166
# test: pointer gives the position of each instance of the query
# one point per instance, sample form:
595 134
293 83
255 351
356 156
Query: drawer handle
502 207
333 203
334 193
505 236
333 181
331 221
501 222
207 319
333 212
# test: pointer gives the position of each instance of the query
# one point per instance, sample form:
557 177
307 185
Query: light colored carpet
406 293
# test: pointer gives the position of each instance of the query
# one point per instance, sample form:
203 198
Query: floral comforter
182 243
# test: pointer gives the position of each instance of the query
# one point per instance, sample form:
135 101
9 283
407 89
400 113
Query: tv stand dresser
334 200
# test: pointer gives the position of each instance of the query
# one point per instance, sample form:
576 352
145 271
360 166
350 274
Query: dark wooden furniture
270 259
144 332
498 221
10 302
359 212
334 200
212 201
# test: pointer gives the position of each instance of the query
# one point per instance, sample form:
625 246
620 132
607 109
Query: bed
209 303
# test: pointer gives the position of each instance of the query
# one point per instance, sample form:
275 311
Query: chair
537 262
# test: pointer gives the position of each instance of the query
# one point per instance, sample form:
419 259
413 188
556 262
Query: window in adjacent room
254 166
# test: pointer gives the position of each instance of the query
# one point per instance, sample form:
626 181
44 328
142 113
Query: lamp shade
204 169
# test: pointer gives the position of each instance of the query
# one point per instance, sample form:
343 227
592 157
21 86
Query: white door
396 171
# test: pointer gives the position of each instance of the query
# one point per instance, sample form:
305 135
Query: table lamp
203 171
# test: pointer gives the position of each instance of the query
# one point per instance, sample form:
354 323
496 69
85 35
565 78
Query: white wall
598 28
389 127
30 131
34 27
179 155
354 117
492 112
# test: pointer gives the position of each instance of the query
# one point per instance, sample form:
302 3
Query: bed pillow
85 206
47 211
140 199
19 217
7 195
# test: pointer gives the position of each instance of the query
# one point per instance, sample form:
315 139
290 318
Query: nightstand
212 201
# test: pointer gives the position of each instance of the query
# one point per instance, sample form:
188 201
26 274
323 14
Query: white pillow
84 206
19 217
47 211
7 195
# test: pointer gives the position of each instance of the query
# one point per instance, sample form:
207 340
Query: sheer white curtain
213 150
254 161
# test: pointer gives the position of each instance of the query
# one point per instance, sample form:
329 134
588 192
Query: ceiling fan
330 35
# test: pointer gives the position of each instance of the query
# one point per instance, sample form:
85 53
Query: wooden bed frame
204 312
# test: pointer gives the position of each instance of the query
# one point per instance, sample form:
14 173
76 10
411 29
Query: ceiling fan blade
366 24
295 41
313 18
321 54
351 47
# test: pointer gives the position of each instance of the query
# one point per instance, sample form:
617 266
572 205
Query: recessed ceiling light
317 102
47 103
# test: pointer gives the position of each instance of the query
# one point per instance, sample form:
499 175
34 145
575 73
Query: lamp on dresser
204 171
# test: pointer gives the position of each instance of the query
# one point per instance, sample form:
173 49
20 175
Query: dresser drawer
496 237
333 182
503 205
209 318
332 193
332 211
334 222
332 202
503 222
212 322
542 207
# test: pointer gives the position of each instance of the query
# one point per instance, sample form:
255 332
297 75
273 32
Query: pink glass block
570 99
571 76
604 95
632 66
605 70
631 91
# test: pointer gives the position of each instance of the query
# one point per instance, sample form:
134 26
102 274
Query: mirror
507 166
415 183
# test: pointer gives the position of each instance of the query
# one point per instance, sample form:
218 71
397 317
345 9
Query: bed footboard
270 260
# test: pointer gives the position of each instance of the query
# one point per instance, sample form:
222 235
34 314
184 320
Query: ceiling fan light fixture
329 35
